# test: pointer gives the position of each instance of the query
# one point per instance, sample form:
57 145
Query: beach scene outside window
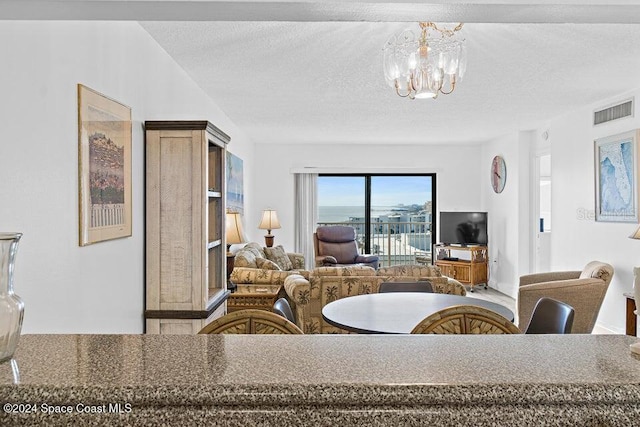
399 213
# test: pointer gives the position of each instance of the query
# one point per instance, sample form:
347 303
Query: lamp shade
269 220
234 232
636 234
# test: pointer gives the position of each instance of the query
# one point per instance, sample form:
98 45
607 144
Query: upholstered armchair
336 246
583 290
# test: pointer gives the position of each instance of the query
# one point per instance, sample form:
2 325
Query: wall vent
614 112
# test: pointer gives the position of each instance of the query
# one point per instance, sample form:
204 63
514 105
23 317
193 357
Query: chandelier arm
453 87
398 90
412 84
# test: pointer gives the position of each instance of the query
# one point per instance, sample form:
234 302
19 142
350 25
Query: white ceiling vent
614 112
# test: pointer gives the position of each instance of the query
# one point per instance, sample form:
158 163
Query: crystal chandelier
426 64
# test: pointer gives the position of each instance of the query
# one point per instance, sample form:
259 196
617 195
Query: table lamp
269 222
234 234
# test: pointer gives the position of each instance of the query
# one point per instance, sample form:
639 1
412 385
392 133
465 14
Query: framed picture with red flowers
104 167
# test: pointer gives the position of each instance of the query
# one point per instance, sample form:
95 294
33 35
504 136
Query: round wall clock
498 174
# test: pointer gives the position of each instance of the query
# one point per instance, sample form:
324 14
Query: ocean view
343 213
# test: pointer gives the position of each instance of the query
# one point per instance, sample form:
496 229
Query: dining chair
282 308
421 286
251 321
465 319
551 316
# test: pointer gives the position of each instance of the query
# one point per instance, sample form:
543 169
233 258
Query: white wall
456 167
577 238
509 222
67 288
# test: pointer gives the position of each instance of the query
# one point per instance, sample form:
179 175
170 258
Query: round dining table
396 312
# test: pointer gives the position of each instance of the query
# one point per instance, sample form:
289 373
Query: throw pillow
245 258
278 255
266 264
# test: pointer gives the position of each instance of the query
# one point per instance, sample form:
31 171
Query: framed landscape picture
104 167
616 167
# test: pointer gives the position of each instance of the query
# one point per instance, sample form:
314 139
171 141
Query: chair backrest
551 316
420 286
251 322
281 307
337 241
465 319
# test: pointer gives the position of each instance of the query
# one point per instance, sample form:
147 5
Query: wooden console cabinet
186 284
472 271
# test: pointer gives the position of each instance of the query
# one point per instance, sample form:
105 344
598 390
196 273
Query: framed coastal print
616 172
235 189
104 167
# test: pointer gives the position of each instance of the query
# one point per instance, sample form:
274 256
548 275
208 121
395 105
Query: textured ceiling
322 82
300 71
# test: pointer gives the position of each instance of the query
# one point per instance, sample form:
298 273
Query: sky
385 190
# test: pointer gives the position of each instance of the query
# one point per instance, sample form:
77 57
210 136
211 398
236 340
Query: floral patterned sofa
308 295
257 265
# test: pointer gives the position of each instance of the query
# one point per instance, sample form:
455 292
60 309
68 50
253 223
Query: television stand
473 271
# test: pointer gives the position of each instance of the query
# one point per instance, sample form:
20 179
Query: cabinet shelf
214 244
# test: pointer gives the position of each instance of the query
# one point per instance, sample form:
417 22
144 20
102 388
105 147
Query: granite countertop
244 371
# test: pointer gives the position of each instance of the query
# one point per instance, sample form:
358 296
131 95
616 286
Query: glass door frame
367 199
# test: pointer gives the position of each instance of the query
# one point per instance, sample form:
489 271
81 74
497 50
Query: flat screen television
463 228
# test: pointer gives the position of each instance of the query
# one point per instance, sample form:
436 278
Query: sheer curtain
306 214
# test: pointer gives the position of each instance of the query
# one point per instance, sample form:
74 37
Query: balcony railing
394 242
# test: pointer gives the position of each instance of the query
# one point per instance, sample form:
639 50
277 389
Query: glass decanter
11 306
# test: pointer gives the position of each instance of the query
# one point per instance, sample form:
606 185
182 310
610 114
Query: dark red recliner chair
336 246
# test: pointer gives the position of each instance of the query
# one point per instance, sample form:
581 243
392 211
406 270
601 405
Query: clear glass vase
11 306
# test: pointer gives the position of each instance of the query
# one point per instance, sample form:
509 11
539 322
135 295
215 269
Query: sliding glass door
392 214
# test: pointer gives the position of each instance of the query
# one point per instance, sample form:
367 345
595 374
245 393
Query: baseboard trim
599 329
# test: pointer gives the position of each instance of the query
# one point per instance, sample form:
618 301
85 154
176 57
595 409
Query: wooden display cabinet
472 271
185 226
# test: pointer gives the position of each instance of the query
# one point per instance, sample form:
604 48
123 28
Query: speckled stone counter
328 380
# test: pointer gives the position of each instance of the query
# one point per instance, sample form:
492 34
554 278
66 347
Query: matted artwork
104 163
235 191
617 189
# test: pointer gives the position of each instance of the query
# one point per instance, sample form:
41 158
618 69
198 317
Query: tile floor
493 295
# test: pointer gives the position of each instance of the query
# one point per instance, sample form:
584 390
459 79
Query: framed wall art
104 167
235 190
616 172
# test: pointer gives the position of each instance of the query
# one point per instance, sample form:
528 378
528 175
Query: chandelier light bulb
423 64
413 62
